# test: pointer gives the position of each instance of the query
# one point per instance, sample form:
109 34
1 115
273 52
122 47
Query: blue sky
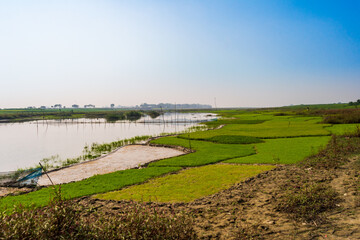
245 53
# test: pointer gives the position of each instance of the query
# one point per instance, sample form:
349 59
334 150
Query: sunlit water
25 144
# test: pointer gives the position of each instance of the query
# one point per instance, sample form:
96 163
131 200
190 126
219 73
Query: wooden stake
46 174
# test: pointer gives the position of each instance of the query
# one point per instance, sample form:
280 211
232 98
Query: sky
254 53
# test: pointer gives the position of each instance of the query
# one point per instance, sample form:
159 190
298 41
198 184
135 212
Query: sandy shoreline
124 158
127 157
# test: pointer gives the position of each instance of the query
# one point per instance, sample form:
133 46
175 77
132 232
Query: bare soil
4 191
127 157
248 210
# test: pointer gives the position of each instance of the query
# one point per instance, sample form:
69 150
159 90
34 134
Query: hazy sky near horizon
253 53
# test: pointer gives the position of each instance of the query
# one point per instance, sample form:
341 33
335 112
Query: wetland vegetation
21 115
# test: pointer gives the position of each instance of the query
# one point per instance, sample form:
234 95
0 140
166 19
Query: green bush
113 117
133 115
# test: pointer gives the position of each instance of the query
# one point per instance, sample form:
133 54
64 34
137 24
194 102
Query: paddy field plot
206 152
188 184
278 127
283 150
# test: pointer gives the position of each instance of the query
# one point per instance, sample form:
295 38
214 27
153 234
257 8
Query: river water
25 144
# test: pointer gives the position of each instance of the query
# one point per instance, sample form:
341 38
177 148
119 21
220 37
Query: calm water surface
25 144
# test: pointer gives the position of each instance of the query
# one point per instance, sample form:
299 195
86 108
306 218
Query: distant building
75 106
89 106
57 106
43 107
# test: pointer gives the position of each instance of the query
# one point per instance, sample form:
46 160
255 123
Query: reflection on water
25 144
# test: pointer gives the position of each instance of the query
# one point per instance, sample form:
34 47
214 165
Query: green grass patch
189 184
96 184
284 150
278 127
263 116
340 129
206 152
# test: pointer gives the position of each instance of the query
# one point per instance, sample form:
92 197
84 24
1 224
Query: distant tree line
355 103
169 106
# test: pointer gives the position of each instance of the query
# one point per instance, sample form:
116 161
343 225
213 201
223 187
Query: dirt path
125 158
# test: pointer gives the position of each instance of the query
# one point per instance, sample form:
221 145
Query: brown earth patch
249 210
4 191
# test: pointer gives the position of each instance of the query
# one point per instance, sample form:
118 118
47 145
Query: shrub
336 152
113 117
68 220
133 115
341 116
308 202
153 114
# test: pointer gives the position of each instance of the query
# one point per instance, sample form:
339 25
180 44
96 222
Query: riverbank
127 157
58 142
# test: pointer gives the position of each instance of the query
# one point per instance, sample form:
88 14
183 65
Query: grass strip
189 184
233 139
206 152
284 150
96 184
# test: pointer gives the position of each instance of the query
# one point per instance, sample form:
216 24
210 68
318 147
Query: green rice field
277 127
283 150
189 184
206 152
